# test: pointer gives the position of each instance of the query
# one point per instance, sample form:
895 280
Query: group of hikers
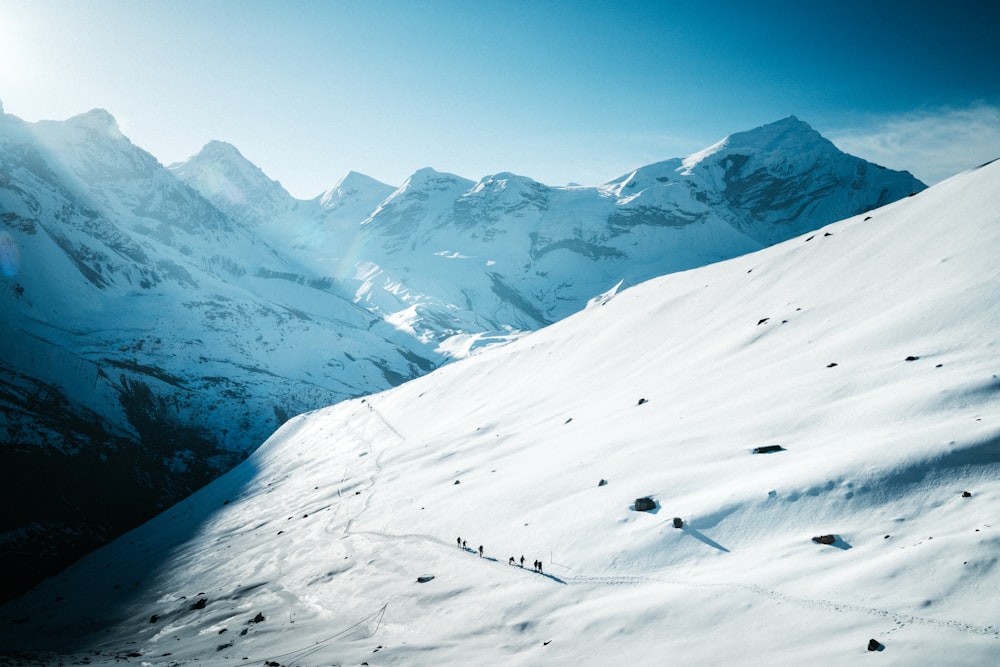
462 544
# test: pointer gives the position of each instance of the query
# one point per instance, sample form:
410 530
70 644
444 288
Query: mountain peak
220 149
233 183
98 120
356 186
789 135
429 178
788 132
222 158
355 179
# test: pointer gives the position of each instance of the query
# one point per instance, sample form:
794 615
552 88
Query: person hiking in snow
465 545
522 560
480 550
511 561
459 543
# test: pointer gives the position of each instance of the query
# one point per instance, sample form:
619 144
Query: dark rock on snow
644 504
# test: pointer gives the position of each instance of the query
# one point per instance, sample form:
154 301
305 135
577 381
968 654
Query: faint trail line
376 460
961 626
386 422
812 603
318 645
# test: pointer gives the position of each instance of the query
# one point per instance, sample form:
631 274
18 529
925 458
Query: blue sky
559 91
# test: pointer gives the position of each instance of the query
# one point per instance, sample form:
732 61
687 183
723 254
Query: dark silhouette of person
459 543
480 550
511 561
522 560
465 545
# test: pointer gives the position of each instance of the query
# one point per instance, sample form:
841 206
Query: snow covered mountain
816 426
458 263
162 322
150 341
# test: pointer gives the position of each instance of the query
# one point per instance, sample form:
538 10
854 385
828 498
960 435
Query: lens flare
10 256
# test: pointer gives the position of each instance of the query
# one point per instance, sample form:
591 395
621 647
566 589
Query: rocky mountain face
161 323
151 341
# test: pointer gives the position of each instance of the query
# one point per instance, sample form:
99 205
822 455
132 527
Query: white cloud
932 145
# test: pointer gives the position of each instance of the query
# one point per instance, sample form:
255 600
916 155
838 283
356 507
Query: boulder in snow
644 504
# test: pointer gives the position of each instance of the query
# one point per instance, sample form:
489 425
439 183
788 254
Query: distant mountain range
455 262
161 322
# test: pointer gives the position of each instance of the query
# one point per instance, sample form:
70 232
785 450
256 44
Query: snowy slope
867 350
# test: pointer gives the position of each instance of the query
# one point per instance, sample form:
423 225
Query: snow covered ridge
858 361
534 254
164 321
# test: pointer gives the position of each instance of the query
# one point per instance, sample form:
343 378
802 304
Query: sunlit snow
866 350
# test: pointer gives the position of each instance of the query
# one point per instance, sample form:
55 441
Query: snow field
326 528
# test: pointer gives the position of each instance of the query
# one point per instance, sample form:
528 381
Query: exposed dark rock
200 604
644 504
603 482
875 645
767 449
825 539
642 401
423 579
966 494
259 618
678 522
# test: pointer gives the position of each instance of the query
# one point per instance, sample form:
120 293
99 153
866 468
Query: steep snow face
233 184
355 196
862 355
148 337
410 213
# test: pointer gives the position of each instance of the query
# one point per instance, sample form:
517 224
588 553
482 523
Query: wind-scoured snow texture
457 263
150 341
866 351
